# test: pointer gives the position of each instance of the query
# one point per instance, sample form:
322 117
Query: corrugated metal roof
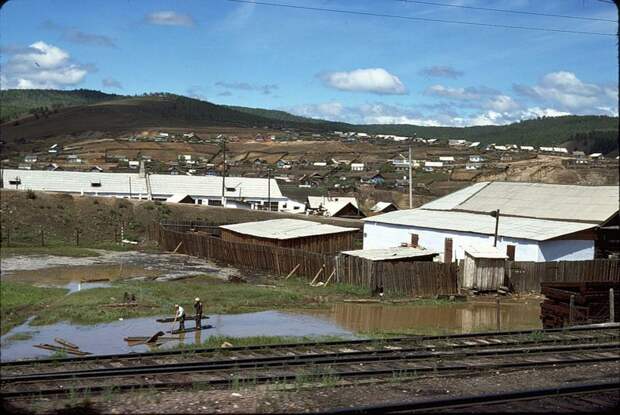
454 199
286 229
389 253
487 252
331 204
379 206
514 227
161 185
546 201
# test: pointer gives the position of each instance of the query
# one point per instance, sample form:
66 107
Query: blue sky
338 66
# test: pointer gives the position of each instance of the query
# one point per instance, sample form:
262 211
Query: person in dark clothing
180 316
198 312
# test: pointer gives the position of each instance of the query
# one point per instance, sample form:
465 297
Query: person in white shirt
180 316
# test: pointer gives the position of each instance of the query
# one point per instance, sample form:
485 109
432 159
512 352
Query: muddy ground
308 398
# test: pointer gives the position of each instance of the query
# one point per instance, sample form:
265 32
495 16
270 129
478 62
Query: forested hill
54 112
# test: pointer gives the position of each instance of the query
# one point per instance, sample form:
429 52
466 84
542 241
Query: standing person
198 313
180 316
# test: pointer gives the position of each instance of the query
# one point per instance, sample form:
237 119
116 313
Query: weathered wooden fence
405 278
245 255
416 279
527 276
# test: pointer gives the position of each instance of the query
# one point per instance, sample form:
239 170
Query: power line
423 19
489 9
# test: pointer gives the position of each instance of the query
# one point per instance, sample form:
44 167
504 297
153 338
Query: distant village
267 174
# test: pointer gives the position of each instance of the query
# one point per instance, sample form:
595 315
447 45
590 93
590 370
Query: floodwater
344 320
108 338
459 317
77 274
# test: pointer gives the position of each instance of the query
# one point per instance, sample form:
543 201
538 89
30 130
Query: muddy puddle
465 317
78 274
108 338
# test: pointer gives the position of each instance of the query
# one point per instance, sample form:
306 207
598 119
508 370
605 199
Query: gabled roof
509 226
593 204
332 204
282 229
379 206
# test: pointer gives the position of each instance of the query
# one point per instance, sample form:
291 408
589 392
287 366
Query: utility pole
495 214
410 181
130 187
269 189
224 171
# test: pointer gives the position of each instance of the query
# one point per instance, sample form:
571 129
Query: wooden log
172 319
330 277
66 343
61 349
177 248
292 271
317 275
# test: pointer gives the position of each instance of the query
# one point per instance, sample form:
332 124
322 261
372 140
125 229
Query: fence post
498 314
42 237
77 237
8 235
447 251
571 311
612 315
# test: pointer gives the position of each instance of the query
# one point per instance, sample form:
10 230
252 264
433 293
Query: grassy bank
20 301
217 341
158 298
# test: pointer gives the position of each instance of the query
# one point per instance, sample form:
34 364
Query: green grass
218 297
20 301
217 341
26 335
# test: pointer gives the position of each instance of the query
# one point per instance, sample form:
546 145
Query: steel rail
474 400
310 344
226 380
404 355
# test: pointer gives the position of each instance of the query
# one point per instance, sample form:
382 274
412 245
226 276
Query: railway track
285 369
301 350
601 397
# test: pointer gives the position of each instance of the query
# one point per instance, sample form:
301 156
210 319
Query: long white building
253 193
544 222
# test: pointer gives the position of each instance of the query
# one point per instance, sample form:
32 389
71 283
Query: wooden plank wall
421 278
405 278
279 261
526 276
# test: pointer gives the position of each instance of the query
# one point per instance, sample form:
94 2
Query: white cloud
501 103
453 93
565 90
374 80
42 66
170 18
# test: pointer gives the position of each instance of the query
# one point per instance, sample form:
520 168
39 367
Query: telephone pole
410 181
269 189
224 171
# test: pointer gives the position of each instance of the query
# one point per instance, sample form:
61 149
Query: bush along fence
35 236
414 278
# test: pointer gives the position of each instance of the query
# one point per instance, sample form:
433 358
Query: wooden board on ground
61 349
190 330
145 338
171 319
66 343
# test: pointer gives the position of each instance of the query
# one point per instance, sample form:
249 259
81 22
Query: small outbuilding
292 233
483 268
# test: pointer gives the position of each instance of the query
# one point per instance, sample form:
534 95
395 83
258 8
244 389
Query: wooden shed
483 268
292 233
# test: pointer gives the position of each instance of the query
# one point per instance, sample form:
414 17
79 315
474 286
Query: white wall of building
382 235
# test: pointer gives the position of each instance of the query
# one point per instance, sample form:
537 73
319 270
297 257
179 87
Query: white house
437 164
319 164
546 149
31 158
357 166
544 222
474 144
527 148
560 150
501 148
476 158
446 159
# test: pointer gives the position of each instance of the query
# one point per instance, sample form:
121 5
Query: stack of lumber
591 304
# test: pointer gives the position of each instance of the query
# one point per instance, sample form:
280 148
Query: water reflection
428 319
